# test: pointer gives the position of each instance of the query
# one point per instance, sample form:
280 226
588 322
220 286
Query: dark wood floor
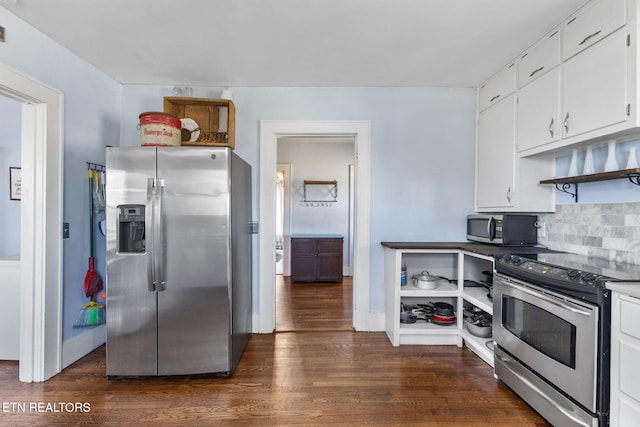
314 307
327 376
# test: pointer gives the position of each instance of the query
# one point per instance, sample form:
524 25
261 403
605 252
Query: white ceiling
230 43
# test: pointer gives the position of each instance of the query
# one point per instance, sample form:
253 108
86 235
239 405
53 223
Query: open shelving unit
456 266
565 184
330 194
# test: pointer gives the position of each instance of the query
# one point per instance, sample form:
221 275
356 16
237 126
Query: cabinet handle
536 71
509 195
494 98
551 127
588 37
566 123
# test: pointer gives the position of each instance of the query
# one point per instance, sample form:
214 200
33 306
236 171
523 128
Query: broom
92 314
92 280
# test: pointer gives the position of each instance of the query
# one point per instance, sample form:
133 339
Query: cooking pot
479 329
479 325
425 280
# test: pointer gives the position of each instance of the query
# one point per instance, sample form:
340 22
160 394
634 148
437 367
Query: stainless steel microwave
506 229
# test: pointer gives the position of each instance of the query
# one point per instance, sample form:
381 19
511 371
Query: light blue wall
422 152
92 103
10 134
615 191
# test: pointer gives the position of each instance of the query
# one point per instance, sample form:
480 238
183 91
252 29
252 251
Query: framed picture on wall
15 184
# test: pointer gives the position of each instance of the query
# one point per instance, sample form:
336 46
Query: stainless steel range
552 332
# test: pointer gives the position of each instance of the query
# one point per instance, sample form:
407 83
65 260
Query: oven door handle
551 300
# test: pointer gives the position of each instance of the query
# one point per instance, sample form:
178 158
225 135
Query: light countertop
627 288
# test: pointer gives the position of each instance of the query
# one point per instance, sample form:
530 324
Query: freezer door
194 327
241 248
131 306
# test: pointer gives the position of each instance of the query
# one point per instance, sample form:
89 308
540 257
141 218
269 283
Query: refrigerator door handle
159 250
150 217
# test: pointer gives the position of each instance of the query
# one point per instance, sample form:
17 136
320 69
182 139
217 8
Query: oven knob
574 274
515 259
589 277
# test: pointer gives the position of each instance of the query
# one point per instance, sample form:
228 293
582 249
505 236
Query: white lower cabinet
625 354
460 273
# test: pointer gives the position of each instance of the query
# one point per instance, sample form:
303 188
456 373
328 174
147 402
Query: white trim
41 224
270 131
287 168
79 346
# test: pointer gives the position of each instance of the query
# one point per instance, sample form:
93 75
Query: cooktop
577 275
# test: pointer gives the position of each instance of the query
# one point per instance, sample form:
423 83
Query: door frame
41 224
287 168
270 131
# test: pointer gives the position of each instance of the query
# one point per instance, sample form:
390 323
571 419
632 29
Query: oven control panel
543 271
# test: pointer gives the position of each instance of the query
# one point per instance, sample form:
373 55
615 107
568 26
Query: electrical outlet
65 230
542 229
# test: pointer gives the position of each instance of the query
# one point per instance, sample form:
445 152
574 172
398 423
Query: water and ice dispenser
131 233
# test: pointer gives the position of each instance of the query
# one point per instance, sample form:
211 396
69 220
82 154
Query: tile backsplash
606 230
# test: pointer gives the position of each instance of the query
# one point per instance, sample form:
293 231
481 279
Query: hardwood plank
297 378
313 306
319 372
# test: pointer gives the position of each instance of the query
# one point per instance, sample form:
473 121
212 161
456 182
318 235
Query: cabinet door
592 24
594 93
495 163
329 259
539 112
498 87
303 259
540 59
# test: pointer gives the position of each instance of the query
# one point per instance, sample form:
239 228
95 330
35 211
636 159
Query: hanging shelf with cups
611 170
565 184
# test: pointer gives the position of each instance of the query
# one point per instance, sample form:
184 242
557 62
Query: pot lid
424 276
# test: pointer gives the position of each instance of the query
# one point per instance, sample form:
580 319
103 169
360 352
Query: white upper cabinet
539 112
540 59
495 171
594 89
498 87
591 24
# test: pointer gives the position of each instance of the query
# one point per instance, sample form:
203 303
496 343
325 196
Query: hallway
313 307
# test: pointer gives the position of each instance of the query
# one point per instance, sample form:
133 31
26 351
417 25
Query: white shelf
444 289
428 328
478 297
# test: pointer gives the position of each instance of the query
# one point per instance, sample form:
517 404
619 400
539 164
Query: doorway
10 161
270 131
314 210
40 224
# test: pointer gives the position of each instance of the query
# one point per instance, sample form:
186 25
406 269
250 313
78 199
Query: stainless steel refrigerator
178 260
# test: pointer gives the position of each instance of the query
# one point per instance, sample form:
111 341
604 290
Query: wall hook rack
96 167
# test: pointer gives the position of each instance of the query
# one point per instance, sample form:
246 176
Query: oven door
554 335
